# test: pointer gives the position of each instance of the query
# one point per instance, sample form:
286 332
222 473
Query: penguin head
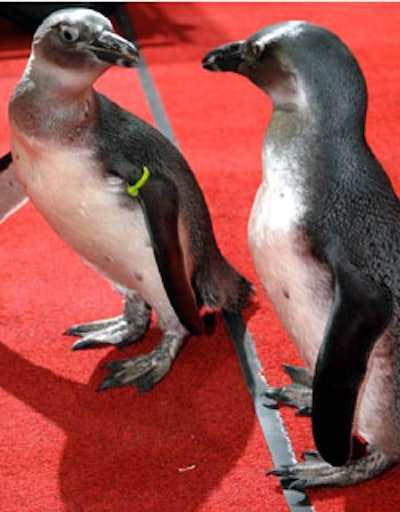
79 42
295 63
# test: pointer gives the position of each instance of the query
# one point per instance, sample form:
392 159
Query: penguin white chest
298 286
85 208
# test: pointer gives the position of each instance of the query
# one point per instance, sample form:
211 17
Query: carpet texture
193 443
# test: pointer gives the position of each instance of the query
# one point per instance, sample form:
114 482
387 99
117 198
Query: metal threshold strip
270 420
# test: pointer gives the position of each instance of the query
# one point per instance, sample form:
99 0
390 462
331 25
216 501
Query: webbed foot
315 472
298 393
119 331
146 370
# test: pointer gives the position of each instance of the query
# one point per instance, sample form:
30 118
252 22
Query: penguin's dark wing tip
5 161
360 313
160 202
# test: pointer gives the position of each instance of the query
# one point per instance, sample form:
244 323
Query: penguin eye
256 49
69 34
252 53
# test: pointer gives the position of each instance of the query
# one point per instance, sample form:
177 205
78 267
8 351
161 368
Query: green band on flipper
133 190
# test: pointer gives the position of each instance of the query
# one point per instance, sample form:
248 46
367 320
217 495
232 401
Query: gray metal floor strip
270 420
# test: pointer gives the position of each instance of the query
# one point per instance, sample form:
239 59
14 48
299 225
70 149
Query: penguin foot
315 472
119 331
146 370
298 393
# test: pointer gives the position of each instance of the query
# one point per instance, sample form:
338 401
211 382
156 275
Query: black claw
311 455
80 345
104 385
144 385
108 383
286 482
298 484
76 330
304 502
89 344
72 331
113 365
271 393
271 403
305 410
274 394
281 471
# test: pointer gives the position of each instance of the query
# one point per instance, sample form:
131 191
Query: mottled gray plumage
75 153
325 237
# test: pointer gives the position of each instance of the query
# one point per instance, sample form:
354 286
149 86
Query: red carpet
193 443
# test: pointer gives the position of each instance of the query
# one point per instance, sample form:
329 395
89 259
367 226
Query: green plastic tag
133 190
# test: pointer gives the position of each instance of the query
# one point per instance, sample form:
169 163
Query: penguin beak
228 57
114 49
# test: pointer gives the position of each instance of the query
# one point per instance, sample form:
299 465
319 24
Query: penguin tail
238 291
225 288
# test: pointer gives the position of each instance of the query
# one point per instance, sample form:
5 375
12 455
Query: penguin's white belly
84 208
300 290
298 286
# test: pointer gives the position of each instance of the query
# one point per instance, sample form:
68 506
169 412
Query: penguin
324 233
119 193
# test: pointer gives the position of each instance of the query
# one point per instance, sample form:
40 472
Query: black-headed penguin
325 237
118 192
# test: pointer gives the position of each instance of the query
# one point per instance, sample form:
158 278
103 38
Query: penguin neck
336 104
63 79
51 102
298 128
286 132
327 117
286 93
290 117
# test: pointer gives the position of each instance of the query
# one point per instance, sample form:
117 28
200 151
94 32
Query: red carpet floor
193 443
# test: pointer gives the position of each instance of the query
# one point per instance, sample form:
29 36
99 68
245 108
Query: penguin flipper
360 313
160 203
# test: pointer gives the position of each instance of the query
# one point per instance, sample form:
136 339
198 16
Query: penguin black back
138 141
